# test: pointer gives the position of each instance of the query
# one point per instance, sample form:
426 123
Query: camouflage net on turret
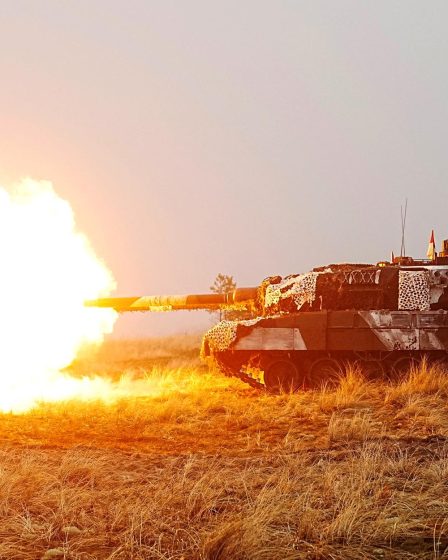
292 292
360 287
414 290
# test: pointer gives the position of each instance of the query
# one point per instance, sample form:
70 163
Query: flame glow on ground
48 270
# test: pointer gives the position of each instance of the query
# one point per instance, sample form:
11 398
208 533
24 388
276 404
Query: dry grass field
209 468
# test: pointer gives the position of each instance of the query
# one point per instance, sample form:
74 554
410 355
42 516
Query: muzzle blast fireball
48 270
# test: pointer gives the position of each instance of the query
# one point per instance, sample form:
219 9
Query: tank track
249 380
388 364
230 371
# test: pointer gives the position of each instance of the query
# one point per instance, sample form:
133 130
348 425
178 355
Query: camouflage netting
336 287
413 290
223 335
293 291
355 287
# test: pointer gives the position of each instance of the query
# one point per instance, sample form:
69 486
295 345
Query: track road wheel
324 372
281 375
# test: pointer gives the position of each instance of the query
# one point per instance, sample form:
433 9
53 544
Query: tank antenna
403 228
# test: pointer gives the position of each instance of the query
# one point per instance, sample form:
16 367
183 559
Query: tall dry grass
209 468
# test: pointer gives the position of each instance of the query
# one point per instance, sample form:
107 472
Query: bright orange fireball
48 269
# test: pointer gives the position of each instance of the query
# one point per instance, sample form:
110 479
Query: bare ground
208 468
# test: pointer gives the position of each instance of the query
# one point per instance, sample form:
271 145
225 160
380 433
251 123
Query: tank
306 328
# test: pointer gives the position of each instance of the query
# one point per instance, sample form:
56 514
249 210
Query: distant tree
223 284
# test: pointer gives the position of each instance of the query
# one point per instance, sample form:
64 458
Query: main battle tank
307 327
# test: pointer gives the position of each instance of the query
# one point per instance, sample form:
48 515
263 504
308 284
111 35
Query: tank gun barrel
241 297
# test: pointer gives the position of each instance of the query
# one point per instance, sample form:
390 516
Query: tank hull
313 348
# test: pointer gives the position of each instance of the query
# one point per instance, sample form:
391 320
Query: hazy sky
245 137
